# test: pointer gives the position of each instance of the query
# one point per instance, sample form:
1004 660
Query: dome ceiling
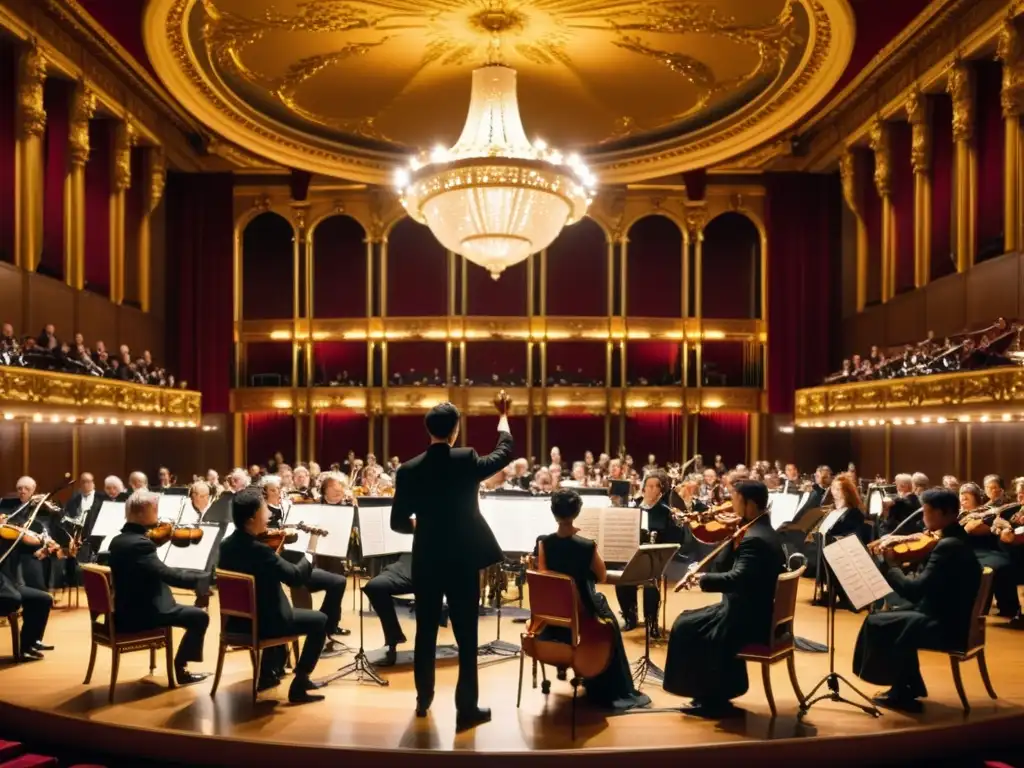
642 87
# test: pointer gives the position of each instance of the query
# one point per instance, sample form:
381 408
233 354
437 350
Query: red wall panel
98 185
339 268
731 266
578 271
267 433
417 272
723 434
268 268
655 268
339 433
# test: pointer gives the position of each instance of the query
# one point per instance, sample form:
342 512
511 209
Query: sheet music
169 507
830 520
783 508
376 536
337 521
616 531
856 571
876 502
109 521
516 523
195 557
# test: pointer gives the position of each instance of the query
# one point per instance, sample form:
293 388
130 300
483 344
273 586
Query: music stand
498 648
646 567
361 666
808 524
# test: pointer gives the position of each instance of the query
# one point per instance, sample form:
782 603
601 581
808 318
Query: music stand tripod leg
360 666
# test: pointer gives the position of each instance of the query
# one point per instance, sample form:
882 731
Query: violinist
35 605
896 511
983 538
244 553
792 478
164 478
302 488
711 492
942 598
32 558
137 481
701 661
199 500
663 529
213 480
142 595
848 520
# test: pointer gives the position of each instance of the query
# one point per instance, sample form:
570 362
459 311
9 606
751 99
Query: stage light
158 423
72 419
860 422
54 419
144 423
192 425
90 420
1006 417
8 416
128 422
831 424
897 422
965 419
101 420
926 419
113 421
984 419
941 419
872 422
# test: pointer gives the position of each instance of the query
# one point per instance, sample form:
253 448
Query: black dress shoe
301 689
655 632
470 718
629 622
903 701
31 654
390 657
710 709
184 677
268 682
340 632
39 646
423 705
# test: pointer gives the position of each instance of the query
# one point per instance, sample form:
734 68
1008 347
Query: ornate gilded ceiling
642 87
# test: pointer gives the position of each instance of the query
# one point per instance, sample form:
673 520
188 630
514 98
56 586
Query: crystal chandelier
495 197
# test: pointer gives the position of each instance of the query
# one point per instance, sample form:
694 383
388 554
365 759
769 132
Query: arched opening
417 272
577 271
654 268
339 268
268 278
731 268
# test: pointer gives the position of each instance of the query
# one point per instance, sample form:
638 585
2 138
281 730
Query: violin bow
68 480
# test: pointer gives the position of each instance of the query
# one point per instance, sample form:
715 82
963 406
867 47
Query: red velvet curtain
903 204
657 433
269 357
98 185
659 362
723 363
268 433
943 259
417 272
578 360
268 268
416 358
503 297
505 358
339 268
57 103
407 436
871 204
200 241
990 143
482 434
730 264
723 434
578 271
134 205
339 433
332 358
803 215
655 267
574 436
8 87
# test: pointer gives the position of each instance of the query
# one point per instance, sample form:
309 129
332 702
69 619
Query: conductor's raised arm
493 462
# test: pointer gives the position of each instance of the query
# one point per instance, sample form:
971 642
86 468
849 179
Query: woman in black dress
565 552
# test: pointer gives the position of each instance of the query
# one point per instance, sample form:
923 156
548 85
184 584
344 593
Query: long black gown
701 662
573 555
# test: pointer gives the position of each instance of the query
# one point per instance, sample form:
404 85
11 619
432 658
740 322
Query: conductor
451 543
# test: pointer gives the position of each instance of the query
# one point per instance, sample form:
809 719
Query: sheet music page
830 520
620 534
856 571
589 523
644 519
109 521
195 556
371 530
783 508
517 523
337 521
395 543
168 507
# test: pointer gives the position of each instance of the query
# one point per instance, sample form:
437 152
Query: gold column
298 249
609 352
368 242
311 438
156 179
888 450
610 241
83 107
685 347
696 220
919 115
121 182
853 186
882 147
754 446
1011 52
543 448
542 310
623 262
960 87
25 454
384 278
28 160
300 423
238 439
76 448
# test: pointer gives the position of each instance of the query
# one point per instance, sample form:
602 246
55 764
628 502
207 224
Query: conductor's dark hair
566 504
753 490
441 420
245 505
942 499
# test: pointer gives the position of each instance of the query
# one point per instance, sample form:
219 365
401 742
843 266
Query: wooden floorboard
363 716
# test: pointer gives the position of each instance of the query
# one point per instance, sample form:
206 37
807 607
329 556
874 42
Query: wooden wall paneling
1020 292
868 451
12 293
11 448
140 331
869 329
97 320
177 449
50 301
102 451
993 290
946 305
928 449
905 319
49 453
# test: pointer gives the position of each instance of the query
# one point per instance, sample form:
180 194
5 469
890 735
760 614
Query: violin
712 525
275 538
178 535
691 579
979 522
908 550
11 533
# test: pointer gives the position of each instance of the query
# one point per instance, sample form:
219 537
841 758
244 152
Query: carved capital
83 107
960 87
262 203
125 138
848 176
31 77
1010 50
156 169
695 216
300 211
918 115
881 146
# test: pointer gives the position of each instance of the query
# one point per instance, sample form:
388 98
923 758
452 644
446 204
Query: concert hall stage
358 723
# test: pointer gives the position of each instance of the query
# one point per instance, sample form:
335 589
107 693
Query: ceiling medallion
495 197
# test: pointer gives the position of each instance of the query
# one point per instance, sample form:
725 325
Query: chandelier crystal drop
495 197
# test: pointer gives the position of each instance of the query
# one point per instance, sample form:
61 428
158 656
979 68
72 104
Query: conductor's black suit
451 543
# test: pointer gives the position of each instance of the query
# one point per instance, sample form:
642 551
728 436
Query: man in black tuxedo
702 647
34 603
452 543
244 553
942 598
897 510
142 595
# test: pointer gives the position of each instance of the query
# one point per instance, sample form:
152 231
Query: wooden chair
237 592
975 647
99 594
781 648
554 602
12 622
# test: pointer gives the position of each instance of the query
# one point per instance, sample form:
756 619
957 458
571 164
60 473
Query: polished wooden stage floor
49 700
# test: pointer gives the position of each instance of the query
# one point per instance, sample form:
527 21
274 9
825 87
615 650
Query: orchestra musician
395 579
237 480
213 480
137 481
792 478
701 661
896 511
302 487
164 478
141 582
33 561
242 552
16 593
943 597
661 524
451 544
711 491
983 538
565 552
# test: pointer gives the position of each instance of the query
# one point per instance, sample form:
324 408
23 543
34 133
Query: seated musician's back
142 595
243 552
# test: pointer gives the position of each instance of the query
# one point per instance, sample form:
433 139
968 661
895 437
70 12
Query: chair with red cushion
781 648
99 594
555 602
237 594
